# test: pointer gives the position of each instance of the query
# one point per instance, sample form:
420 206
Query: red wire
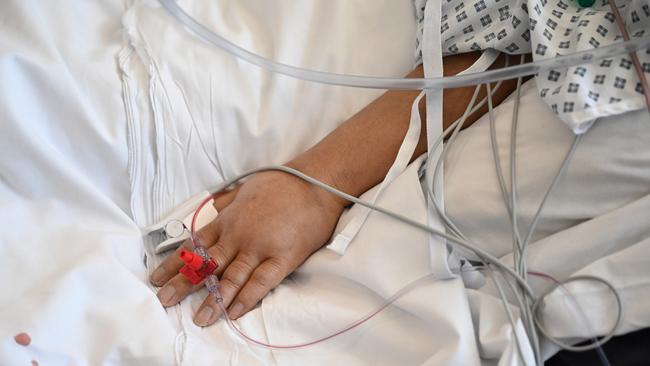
543 275
310 343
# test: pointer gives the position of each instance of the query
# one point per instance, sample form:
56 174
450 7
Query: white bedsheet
71 271
99 137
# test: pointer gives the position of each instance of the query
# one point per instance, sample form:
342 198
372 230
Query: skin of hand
265 229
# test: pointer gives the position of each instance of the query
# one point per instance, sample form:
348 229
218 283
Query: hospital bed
112 115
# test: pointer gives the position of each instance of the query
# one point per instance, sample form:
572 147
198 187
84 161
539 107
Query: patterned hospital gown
547 28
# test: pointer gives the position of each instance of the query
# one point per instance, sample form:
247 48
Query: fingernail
203 317
166 294
236 311
158 275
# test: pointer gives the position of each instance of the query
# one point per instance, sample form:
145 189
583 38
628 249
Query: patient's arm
357 155
269 225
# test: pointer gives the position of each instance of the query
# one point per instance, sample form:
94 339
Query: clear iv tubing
401 83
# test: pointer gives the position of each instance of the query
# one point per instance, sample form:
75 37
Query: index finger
170 265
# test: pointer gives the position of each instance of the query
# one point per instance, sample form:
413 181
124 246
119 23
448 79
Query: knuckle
275 267
227 283
205 236
240 270
262 280
237 273
218 252
208 234
270 276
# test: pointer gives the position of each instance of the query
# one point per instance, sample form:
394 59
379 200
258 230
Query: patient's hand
274 221
265 229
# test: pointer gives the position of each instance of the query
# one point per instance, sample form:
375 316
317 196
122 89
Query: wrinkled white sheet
71 270
100 137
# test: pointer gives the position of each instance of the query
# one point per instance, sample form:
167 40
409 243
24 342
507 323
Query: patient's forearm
357 155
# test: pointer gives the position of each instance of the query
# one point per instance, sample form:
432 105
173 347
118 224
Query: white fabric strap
441 254
483 63
432 63
340 242
343 239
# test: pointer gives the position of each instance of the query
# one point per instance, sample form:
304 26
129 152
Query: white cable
495 155
561 170
449 224
529 324
516 239
525 315
511 319
588 347
581 313
485 256
518 244
513 176
451 128
436 173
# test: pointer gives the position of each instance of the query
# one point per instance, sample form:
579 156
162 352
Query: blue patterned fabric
548 28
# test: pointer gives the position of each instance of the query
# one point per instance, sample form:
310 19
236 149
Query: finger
265 278
170 266
175 290
236 275
208 312
178 287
